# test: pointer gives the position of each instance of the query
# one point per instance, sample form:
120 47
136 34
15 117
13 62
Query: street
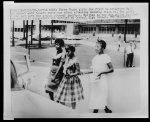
85 52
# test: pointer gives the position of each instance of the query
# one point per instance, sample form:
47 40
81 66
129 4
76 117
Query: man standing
130 54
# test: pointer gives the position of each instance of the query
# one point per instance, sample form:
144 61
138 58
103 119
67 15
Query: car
26 101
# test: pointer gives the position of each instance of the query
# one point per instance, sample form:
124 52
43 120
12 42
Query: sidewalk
123 83
91 43
84 51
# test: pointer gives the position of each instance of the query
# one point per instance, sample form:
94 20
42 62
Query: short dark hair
70 47
60 42
103 43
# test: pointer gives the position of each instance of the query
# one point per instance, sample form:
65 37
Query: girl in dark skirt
56 72
70 89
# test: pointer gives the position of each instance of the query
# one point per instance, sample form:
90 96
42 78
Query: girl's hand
98 76
68 76
81 73
53 77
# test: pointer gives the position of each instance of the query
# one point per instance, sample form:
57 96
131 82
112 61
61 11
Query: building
108 26
45 26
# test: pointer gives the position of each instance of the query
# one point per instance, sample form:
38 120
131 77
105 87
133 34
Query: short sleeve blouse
99 62
57 58
71 65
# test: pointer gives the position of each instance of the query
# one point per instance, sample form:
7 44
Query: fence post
27 62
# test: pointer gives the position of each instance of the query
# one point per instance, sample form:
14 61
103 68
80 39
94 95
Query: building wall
69 28
109 28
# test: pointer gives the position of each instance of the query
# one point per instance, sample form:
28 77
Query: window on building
18 29
21 29
90 29
83 29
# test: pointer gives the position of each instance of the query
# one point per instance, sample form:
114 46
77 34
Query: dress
53 85
99 88
70 90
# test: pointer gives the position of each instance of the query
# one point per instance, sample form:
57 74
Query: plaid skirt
69 91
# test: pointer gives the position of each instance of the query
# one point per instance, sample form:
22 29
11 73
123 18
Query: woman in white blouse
101 65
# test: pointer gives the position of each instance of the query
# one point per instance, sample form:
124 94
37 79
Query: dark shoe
46 91
107 110
95 111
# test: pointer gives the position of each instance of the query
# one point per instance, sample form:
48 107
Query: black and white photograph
75 60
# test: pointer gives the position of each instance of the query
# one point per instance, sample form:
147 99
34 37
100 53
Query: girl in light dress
101 65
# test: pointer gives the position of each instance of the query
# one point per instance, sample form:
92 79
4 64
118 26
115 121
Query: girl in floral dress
70 90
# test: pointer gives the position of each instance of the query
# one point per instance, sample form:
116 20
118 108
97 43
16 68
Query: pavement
124 84
89 40
124 89
111 46
27 104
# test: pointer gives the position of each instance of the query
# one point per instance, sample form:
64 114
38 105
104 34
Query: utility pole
125 30
31 31
27 34
39 33
135 29
51 31
13 42
24 29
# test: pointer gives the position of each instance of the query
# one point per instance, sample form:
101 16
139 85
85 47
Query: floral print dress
70 89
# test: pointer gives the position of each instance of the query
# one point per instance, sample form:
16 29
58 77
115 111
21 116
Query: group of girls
64 85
